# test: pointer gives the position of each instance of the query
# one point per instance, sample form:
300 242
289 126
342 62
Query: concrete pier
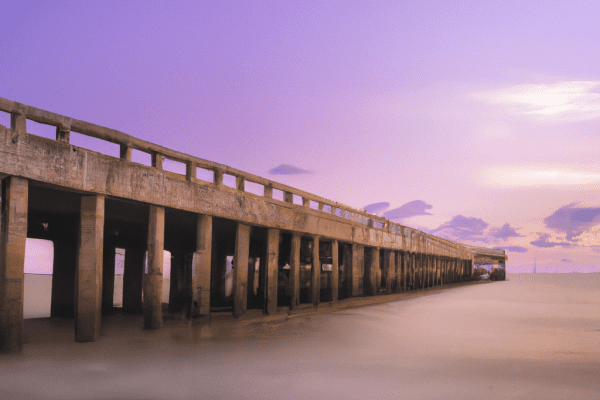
153 279
230 249
88 281
12 262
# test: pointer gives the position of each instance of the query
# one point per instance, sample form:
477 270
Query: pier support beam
240 270
133 276
272 269
13 235
358 258
153 281
371 267
335 264
316 273
201 267
295 270
88 276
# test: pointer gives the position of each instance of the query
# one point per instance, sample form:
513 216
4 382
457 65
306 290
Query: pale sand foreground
531 337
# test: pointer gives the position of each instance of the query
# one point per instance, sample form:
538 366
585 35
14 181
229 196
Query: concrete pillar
13 235
88 279
316 273
272 269
295 270
358 257
391 268
201 267
240 270
371 267
153 280
133 275
335 263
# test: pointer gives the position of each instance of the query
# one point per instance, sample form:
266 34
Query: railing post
288 197
63 135
306 202
18 123
218 177
190 171
239 183
157 160
269 191
126 152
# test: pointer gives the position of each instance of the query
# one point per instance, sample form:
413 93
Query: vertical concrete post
133 276
18 123
358 253
218 177
125 152
334 270
288 197
88 279
316 273
391 268
157 160
295 270
13 235
62 135
153 281
240 270
190 171
268 192
201 267
373 263
272 269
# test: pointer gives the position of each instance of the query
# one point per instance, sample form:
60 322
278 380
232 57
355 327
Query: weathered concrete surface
201 267
153 279
88 300
272 269
295 270
13 233
335 270
240 270
316 273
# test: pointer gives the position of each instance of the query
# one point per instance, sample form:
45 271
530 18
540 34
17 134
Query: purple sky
470 120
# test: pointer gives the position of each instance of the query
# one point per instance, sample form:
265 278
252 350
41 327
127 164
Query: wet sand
531 337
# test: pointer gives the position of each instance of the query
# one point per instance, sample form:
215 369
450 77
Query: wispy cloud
463 229
543 241
535 176
565 260
377 208
572 220
410 209
514 249
562 101
504 232
287 169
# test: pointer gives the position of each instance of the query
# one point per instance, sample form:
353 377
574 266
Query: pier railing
65 125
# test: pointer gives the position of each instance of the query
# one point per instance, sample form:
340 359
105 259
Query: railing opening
255 188
5 119
37 285
314 205
94 144
141 157
297 199
278 194
174 166
43 130
229 180
205 175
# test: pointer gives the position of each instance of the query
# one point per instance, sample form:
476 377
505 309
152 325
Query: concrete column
358 257
201 267
316 273
391 268
133 275
13 234
272 269
153 280
88 279
371 267
125 152
335 263
240 270
295 270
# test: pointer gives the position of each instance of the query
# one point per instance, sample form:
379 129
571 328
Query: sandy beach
530 337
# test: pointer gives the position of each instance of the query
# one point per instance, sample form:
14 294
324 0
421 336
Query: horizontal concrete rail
59 163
